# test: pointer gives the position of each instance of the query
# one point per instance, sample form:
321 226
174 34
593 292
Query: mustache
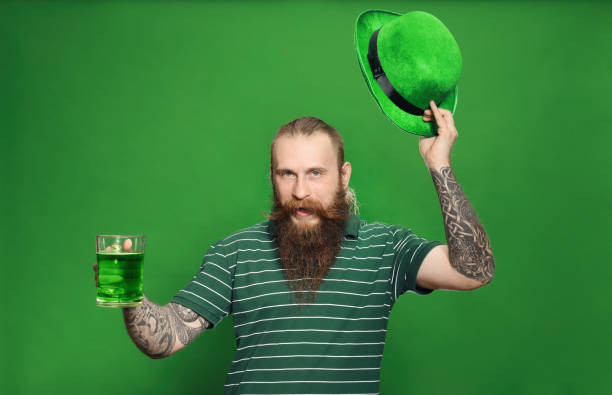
282 211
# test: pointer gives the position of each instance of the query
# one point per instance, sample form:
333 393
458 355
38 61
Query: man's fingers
448 116
436 112
444 119
127 245
450 129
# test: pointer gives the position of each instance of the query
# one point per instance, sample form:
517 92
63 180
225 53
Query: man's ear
346 174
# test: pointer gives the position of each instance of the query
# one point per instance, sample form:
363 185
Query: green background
156 118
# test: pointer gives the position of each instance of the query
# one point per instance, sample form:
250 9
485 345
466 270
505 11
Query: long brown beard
307 253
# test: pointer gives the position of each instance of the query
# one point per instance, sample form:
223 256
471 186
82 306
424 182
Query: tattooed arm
160 331
467 261
469 250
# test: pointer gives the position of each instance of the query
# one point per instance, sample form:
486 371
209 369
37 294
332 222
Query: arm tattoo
156 329
189 324
468 245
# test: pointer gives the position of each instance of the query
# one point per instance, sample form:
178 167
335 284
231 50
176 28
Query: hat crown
420 57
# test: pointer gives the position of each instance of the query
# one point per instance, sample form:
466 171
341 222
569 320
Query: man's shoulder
370 228
258 232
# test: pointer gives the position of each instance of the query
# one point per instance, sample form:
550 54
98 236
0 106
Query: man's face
310 208
306 174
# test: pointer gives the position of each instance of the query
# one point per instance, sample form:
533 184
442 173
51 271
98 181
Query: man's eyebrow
281 170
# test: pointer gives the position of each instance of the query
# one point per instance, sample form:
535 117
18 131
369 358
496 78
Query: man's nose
301 190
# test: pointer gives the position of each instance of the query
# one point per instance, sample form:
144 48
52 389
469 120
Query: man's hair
306 126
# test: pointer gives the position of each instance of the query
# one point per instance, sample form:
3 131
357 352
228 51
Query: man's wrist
437 166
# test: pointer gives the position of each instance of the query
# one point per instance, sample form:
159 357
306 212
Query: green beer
120 267
120 279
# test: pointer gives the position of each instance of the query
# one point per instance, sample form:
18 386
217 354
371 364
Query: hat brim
367 23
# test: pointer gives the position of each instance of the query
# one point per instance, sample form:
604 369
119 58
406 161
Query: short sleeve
409 250
210 292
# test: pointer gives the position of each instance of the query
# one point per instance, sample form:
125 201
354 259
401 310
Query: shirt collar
351 226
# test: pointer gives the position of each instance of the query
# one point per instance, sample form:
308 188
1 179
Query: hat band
383 81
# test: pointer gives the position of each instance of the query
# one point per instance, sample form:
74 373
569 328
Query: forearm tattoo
468 245
156 329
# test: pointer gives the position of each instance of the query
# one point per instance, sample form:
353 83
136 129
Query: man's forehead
316 149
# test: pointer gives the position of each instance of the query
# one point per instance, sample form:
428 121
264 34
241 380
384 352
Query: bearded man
312 287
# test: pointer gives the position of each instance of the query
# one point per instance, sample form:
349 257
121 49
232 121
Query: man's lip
303 212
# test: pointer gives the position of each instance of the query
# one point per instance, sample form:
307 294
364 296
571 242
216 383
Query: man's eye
287 174
316 173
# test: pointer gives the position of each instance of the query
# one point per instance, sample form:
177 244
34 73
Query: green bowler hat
408 60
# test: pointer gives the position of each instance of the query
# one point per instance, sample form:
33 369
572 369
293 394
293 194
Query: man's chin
305 223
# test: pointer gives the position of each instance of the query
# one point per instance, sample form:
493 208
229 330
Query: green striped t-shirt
332 346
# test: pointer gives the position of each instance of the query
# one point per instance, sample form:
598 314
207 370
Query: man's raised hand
436 150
